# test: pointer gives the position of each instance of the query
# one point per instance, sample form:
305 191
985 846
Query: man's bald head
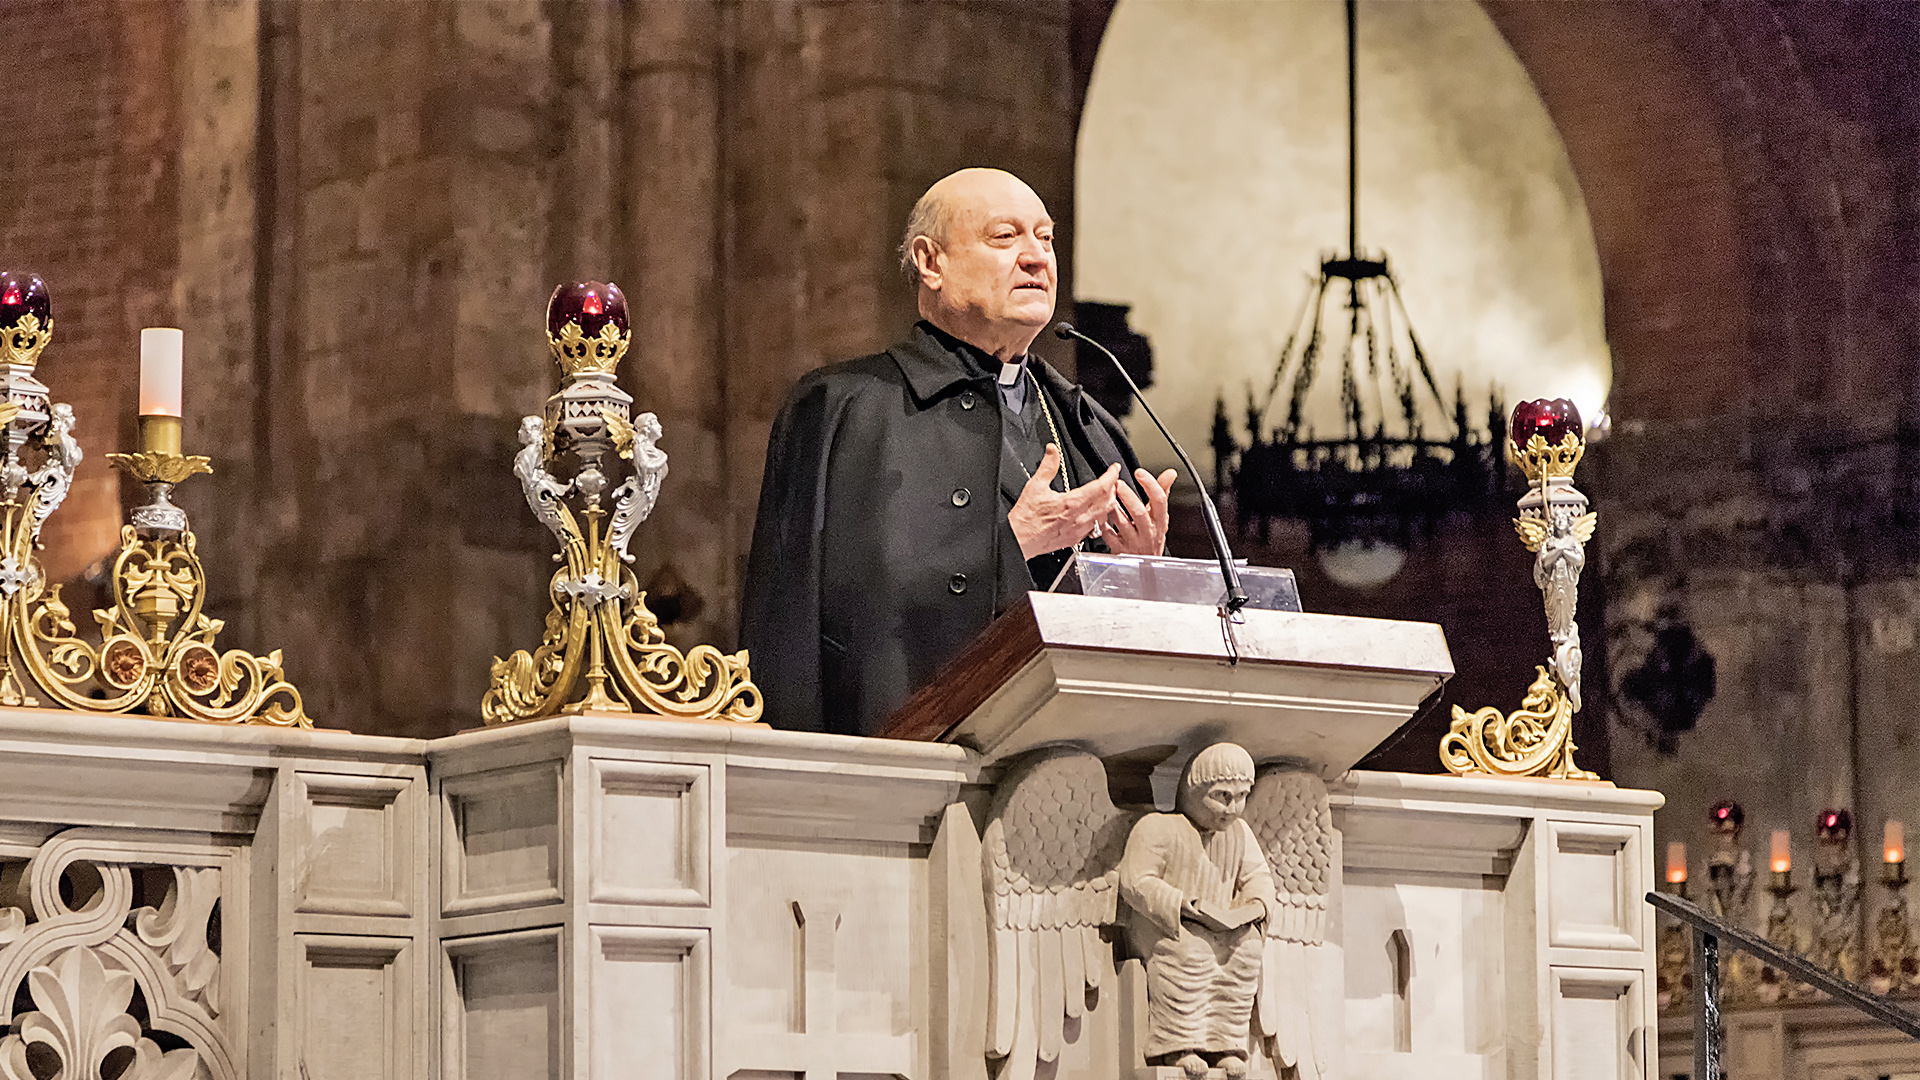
933 213
979 248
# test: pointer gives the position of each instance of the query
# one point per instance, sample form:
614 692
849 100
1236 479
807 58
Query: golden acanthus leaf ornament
1534 740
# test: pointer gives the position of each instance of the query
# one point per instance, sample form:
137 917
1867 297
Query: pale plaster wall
1212 178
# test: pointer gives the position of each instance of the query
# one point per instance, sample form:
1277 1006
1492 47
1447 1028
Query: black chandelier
1390 476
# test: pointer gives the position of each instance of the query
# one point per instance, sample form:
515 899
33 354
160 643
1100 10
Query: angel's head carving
1213 793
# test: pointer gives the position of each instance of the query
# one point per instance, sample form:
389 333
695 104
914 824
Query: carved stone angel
1224 903
1200 890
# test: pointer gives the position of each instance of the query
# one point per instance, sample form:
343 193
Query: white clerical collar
1011 370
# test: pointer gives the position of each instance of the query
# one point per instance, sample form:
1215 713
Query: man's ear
928 259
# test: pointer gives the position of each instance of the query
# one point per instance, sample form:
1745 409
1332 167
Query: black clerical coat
882 548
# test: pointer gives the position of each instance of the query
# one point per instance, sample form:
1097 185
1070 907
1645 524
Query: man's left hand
1140 528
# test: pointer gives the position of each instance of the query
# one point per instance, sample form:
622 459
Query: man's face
996 266
1222 802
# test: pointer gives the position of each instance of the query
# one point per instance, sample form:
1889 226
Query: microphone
1236 596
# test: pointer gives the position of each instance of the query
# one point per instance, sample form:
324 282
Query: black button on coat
850 603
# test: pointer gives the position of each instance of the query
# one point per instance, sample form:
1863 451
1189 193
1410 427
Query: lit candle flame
1676 863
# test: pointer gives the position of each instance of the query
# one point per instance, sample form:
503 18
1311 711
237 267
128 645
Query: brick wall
90 168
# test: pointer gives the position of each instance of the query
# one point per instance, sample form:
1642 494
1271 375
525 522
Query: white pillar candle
161 352
1893 843
1782 852
1676 862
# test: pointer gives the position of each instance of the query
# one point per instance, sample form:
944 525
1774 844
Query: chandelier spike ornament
154 650
1400 459
1554 524
603 650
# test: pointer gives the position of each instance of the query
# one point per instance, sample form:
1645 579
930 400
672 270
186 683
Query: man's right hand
1046 520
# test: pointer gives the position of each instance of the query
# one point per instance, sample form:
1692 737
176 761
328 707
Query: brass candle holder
1673 956
1554 524
1895 964
156 651
603 651
1783 929
1836 897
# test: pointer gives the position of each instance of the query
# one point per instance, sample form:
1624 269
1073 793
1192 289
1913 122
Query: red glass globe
23 294
1551 420
1834 824
592 304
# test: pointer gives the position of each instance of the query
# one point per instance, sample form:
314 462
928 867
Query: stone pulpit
1019 886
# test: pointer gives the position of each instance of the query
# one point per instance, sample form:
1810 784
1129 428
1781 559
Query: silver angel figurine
1558 539
543 492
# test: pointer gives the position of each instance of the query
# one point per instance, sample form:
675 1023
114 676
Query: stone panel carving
1598 1023
668 968
651 834
355 1004
1595 886
503 1007
359 840
111 935
501 840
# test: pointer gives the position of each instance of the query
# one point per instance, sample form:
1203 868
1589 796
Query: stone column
669 265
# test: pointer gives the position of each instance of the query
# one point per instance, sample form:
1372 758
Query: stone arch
1720 236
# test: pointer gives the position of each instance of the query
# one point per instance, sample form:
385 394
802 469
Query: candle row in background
1893 849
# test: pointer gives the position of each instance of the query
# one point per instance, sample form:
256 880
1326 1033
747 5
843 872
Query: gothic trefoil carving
111 988
1223 903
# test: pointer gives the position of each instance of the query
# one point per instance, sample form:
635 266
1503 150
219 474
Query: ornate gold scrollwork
157 649
1538 459
1534 740
603 651
150 466
23 342
578 353
1554 523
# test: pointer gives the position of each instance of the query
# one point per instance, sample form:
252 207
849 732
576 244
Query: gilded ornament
154 649
151 466
23 342
1538 460
1534 740
579 354
1555 524
602 651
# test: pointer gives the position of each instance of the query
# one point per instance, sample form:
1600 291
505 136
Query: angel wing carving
1533 532
1583 527
1289 814
1051 851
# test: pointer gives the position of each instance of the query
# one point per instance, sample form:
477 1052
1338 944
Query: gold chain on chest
1066 462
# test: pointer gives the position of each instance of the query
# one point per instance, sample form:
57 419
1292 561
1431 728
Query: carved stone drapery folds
116 940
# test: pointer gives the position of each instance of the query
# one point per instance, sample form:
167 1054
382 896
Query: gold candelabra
1554 524
603 650
1895 964
156 650
1673 952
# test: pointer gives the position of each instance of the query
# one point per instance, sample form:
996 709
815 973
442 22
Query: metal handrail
1709 1037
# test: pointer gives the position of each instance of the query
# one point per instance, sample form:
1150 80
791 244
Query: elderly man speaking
913 495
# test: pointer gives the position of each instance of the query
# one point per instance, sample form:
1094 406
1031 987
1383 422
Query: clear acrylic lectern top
1178 581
